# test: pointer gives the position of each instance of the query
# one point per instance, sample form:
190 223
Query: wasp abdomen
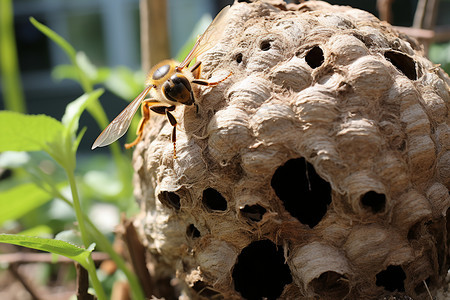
178 89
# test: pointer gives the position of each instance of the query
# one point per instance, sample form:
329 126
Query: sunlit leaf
75 109
125 83
71 251
70 51
20 132
70 236
86 65
61 72
40 230
18 201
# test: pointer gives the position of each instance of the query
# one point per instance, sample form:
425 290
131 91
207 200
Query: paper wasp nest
319 169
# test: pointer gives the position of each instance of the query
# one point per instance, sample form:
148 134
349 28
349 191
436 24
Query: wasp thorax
178 89
161 72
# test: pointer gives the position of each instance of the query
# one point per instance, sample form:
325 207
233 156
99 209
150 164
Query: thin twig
83 283
14 269
428 290
137 256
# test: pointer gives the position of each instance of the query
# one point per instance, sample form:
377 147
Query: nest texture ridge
319 169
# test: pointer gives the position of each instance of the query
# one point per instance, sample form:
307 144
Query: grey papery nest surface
319 168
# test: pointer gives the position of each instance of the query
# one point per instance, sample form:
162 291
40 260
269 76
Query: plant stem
84 234
104 245
98 113
12 87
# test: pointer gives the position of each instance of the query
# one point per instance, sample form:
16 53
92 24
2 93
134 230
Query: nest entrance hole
331 285
422 287
206 291
265 45
403 63
213 200
253 212
260 271
374 201
304 193
192 232
314 58
392 279
170 199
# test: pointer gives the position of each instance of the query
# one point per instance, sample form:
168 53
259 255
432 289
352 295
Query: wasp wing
119 126
208 39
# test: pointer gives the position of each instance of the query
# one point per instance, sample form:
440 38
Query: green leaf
12 89
61 72
18 201
71 251
77 141
70 51
40 230
440 54
95 75
125 83
20 132
75 109
70 236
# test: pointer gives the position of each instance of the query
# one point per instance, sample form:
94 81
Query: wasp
168 85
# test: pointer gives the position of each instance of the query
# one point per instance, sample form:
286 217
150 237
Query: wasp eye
161 72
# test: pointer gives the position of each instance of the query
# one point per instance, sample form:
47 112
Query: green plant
12 88
28 142
440 54
33 188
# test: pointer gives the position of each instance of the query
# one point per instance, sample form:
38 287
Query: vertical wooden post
426 14
154 33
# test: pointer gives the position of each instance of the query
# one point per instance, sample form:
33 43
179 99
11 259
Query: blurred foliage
440 54
12 87
46 191
48 186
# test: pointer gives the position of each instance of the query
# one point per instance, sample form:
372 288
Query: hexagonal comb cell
317 170
260 271
304 194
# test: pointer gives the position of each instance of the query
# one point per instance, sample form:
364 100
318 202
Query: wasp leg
165 110
173 122
145 111
196 69
210 83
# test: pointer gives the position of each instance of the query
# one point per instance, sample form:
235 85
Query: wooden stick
83 283
154 33
137 254
14 269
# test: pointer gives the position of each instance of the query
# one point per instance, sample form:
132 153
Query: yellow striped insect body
168 85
